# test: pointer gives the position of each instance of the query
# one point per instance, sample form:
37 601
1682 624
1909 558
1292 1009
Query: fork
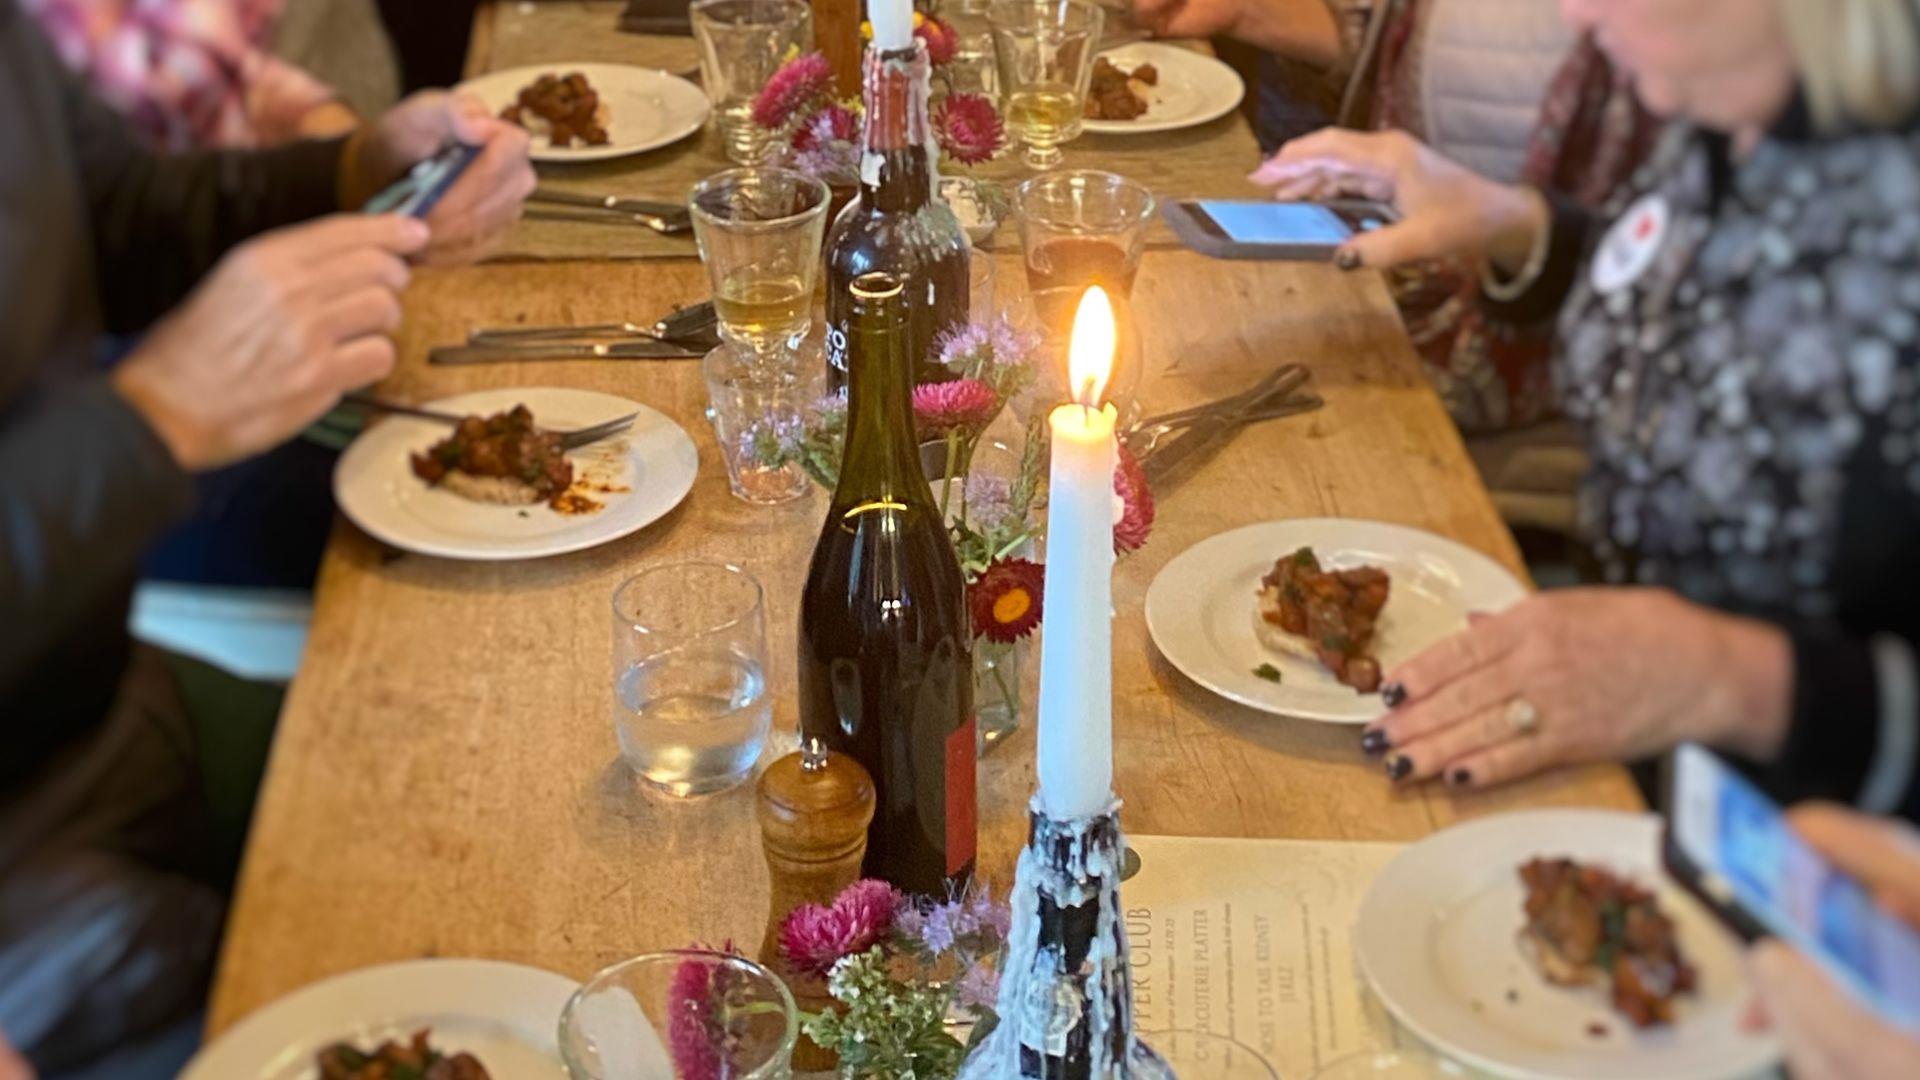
569 440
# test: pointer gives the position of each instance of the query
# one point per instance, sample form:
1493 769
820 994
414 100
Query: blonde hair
1859 60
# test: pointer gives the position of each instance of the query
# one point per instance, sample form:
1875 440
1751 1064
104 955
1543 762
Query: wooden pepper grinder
814 808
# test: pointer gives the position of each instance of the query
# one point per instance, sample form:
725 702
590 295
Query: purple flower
965 346
987 913
979 988
989 500
1013 346
938 933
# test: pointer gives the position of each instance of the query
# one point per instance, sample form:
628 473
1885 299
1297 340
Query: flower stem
946 484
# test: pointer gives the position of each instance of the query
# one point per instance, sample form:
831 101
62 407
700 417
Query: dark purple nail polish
1346 259
1374 742
1460 777
1398 766
1394 694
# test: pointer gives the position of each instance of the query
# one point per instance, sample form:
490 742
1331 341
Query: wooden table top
445 780
1211 160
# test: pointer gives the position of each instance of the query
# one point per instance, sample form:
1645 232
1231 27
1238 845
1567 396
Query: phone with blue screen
1296 231
1730 844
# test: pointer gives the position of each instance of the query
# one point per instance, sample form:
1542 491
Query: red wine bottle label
963 805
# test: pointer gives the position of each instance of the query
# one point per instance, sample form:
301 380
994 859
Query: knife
1162 464
668 225
609 202
620 350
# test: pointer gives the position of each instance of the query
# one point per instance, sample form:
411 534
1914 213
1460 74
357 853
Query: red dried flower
964 404
969 128
799 83
835 123
814 938
1005 600
1136 501
943 41
696 1023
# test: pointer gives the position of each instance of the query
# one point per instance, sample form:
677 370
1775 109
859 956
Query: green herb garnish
1267 672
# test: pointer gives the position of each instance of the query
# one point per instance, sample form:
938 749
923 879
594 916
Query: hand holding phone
416 193
1730 844
1290 231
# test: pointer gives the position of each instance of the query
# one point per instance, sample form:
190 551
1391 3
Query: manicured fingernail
1394 694
1346 259
1398 766
1374 742
1460 777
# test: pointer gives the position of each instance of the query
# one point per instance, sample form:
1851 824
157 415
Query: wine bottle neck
882 455
896 161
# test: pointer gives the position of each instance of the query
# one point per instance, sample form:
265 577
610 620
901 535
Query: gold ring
1522 716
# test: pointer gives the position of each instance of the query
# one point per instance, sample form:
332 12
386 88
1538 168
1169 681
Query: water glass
759 231
690 703
680 1013
1043 57
749 402
742 43
1198 1055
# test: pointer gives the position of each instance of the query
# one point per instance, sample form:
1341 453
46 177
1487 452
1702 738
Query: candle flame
1090 353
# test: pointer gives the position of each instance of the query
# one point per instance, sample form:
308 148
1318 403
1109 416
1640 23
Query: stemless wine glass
690 703
1078 228
759 232
680 1013
1043 54
747 401
742 43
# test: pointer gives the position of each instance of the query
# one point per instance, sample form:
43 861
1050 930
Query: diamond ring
1522 716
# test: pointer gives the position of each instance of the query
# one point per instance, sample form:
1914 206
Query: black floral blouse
1741 341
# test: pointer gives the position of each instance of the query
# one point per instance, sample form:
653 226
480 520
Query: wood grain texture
1211 160
445 779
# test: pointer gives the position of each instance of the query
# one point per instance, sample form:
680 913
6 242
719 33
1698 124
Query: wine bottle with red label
886 667
897 224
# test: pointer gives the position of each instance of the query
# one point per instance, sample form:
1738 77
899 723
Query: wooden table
1211 160
445 780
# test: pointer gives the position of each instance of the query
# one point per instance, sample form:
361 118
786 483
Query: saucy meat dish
1333 612
503 458
1586 924
563 108
1117 94
392 1060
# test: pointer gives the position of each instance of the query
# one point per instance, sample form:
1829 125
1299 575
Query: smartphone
1296 231
416 193
1729 843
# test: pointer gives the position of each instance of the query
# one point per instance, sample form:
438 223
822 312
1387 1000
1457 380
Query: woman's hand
1828 1035
1445 208
1579 675
476 212
1301 30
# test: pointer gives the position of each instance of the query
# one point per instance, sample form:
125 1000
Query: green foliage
891 1028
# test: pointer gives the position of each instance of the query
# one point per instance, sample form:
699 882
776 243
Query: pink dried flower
943 41
835 123
1135 512
963 404
814 938
969 128
798 83
696 1026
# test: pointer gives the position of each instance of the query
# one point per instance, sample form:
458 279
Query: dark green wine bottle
886 670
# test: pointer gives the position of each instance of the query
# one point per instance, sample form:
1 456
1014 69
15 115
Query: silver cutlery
1273 404
665 225
620 203
644 349
1271 386
569 440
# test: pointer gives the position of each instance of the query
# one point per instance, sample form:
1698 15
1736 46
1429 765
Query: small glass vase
997 695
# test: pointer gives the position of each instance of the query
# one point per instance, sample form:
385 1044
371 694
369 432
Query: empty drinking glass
742 43
749 402
680 1013
690 701
759 232
1043 54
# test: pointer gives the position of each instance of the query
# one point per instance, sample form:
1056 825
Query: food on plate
503 458
1326 615
1586 924
391 1060
563 108
1117 94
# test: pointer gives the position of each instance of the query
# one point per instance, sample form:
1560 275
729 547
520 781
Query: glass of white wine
759 231
1043 52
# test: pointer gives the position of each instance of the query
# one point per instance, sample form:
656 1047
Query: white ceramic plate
648 109
637 477
1438 939
1203 613
506 1015
1193 89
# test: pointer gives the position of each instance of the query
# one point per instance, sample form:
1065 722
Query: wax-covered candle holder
1066 994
